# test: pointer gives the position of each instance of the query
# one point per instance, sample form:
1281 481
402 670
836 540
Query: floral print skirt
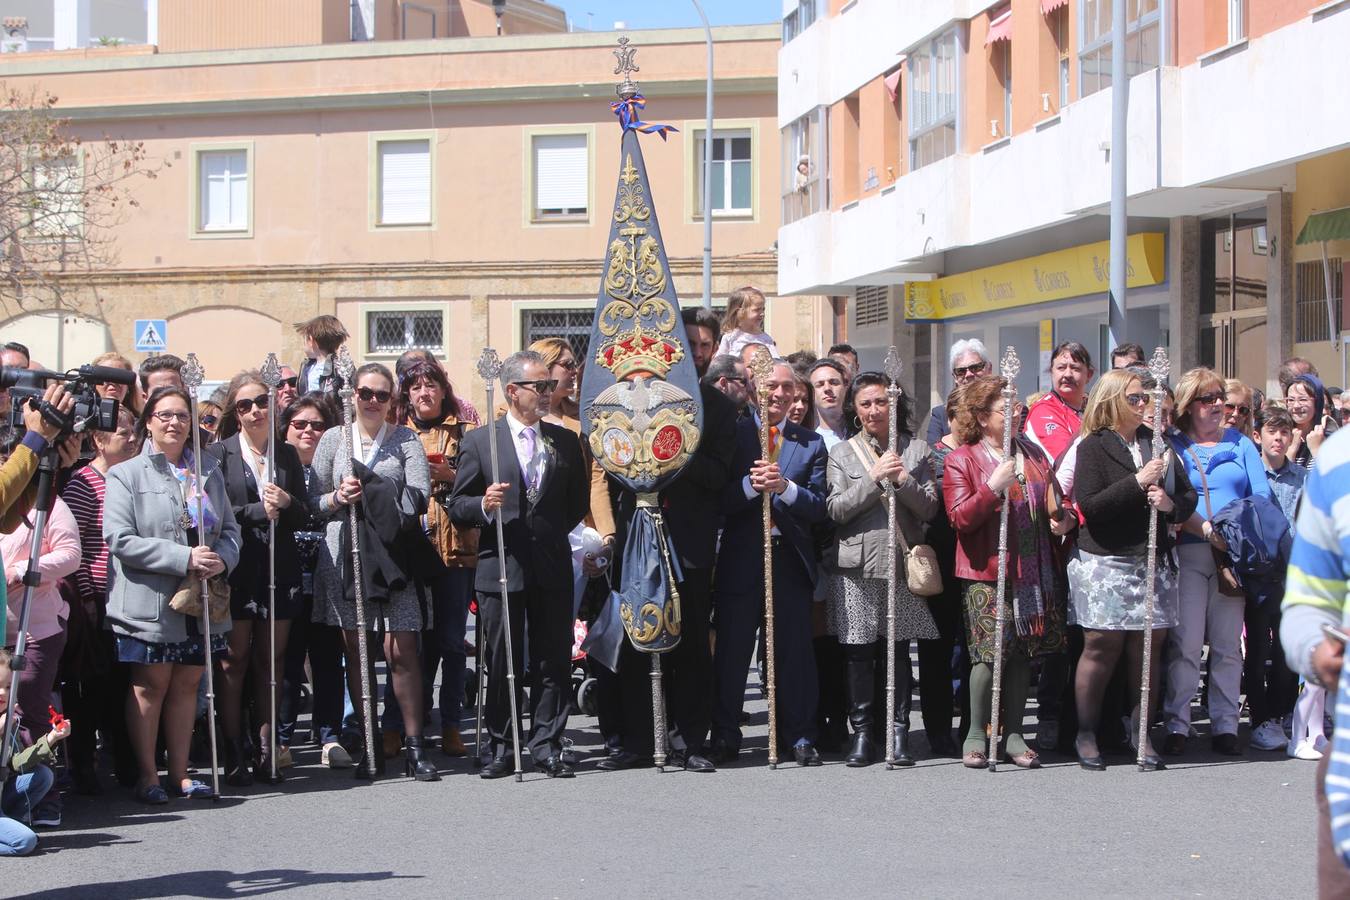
1109 593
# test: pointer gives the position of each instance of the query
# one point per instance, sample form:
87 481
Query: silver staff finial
892 366
626 67
489 366
270 371
1010 366
345 369
1160 366
192 373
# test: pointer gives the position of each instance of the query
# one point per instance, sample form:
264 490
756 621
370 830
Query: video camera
90 412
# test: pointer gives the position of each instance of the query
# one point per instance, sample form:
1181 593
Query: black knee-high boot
860 660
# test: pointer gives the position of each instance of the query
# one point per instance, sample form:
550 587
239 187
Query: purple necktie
527 439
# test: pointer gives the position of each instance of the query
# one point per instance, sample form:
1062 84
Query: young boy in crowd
1273 428
31 774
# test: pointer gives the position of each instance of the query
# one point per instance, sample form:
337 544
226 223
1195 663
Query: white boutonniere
548 445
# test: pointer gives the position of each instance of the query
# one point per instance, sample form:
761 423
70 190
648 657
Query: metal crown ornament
489 365
270 372
192 373
1010 366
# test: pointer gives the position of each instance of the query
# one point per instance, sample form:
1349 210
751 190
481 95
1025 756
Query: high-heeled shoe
1091 763
236 763
415 761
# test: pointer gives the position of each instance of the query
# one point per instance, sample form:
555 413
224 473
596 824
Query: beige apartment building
444 192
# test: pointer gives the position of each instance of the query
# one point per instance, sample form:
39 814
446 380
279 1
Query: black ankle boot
902 754
362 772
237 772
415 760
858 676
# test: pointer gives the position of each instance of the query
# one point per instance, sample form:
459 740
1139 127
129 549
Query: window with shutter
404 178
561 176
223 205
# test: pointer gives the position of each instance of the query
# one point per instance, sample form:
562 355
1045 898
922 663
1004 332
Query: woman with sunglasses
302 424
1223 465
1237 406
151 527
427 404
397 473
1118 485
241 449
208 417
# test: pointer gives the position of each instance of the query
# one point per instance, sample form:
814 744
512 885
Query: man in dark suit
544 493
689 507
795 477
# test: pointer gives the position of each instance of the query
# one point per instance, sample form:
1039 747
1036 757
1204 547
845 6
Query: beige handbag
187 600
922 575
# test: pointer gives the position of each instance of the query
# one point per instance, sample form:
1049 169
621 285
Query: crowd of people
145 540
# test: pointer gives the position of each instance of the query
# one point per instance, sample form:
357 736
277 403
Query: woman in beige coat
857 562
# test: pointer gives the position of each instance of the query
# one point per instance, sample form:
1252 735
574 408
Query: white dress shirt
524 462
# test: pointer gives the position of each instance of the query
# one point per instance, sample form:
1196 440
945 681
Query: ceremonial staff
271 376
1159 367
893 370
193 374
761 366
490 367
1009 367
346 371
480 688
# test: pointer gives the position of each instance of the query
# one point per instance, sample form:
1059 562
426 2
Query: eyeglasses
1240 410
1292 400
1210 399
243 406
542 386
307 424
367 395
166 417
972 369
568 364
292 382
209 420
1137 399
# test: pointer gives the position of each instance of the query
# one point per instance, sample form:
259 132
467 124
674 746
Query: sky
600 15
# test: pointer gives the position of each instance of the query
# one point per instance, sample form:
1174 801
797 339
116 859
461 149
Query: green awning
1332 225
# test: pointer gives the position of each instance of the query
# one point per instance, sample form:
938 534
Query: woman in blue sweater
1223 465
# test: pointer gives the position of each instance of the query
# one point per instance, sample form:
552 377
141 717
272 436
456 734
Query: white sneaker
335 756
1269 736
1305 749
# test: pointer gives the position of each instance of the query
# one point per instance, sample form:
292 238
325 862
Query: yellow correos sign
1076 272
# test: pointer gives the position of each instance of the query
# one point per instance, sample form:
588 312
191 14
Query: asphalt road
1207 827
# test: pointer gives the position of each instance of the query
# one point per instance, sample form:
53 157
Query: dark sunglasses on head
243 406
368 394
1136 399
1240 410
293 381
209 420
307 424
972 369
1210 399
542 386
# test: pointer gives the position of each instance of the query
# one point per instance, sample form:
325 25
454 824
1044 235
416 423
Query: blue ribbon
630 116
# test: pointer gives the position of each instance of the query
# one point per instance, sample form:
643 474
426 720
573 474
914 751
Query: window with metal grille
572 324
872 306
1310 318
389 333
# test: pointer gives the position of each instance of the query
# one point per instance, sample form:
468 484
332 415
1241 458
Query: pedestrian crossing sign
151 335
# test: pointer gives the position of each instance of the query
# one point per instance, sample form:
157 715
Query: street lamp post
707 167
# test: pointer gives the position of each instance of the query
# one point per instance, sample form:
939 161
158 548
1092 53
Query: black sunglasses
367 394
1136 399
306 424
1209 399
1240 410
568 364
293 381
542 386
972 369
243 406
208 420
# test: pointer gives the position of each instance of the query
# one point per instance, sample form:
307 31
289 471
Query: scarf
1034 575
187 484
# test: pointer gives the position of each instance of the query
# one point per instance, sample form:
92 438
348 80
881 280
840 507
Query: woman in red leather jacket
975 480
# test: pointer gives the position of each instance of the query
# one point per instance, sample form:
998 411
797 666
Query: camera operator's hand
204 561
32 416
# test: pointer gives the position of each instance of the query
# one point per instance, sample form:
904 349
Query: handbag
187 600
1229 585
922 575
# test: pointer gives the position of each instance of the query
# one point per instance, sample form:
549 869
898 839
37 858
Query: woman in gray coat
150 524
857 563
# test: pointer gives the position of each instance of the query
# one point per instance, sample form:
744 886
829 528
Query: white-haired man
969 360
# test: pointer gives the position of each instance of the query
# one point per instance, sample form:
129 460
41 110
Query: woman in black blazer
242 451
1118 486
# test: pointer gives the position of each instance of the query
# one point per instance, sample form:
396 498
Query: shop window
1142 42
933 93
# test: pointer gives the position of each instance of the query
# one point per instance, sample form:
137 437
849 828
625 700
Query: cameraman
18 488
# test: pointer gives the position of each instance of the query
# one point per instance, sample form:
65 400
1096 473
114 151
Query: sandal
975 759
1027 759
152 795
195 790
